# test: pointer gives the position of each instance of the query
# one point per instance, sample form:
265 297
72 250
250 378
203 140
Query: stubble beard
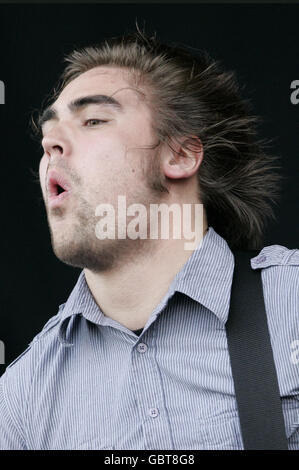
79 247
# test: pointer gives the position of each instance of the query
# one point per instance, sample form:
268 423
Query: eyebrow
50 113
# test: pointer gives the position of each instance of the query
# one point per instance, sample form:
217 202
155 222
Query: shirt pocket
220 433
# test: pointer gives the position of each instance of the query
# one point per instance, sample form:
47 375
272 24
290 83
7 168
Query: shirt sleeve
11 436
15 386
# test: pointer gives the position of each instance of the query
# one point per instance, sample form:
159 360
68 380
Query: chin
80 255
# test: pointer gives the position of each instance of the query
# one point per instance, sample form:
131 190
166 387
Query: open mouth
58 189
57 186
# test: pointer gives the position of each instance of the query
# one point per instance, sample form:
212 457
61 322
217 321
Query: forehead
106 80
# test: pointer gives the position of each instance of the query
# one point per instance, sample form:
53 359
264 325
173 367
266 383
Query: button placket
150 398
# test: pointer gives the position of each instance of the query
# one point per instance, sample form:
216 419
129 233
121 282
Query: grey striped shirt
88 382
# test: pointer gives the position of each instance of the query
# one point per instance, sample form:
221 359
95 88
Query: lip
57 201
54 181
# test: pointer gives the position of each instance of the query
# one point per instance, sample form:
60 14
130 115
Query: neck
129 293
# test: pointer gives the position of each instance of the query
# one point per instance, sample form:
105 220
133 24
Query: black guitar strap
252 362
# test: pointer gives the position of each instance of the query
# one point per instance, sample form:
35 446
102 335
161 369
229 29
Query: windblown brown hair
190 94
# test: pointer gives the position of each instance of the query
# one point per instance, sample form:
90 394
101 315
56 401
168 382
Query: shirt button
142 347
153 412
261 259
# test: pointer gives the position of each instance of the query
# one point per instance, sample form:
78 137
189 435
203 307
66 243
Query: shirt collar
80 302
206 277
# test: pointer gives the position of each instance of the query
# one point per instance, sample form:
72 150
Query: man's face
100 152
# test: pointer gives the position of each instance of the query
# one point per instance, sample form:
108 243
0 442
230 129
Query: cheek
108 166
102 160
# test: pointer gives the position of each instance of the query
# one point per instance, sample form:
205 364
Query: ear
182 158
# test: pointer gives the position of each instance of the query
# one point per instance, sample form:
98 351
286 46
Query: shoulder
279 267
15 383
276 255
31 354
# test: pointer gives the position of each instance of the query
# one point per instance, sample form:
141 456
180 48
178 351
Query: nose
56 144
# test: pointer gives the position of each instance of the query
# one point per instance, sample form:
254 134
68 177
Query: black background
260 42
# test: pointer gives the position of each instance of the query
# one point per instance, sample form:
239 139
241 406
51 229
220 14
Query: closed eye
93 122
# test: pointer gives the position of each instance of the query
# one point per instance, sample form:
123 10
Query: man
137 357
